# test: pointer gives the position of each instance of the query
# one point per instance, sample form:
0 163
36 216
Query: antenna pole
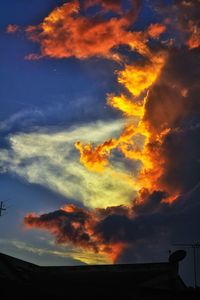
2 208
195 271
194 246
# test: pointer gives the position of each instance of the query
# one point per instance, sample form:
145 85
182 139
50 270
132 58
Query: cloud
104 231
11 28
189 17
24 118
183 18
69 32
115 230
60 109
177 111
49 252
107 5
76 226
133 142
50 159
69 225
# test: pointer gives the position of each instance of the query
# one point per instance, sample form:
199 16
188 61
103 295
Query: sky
99 130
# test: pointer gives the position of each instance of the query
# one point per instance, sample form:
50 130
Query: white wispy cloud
48 157
78 255
24 118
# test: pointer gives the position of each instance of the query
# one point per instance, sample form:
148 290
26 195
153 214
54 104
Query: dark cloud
189 21
75 226
67 225
173 104
144 236
183 17
175 95
149 202
149 237
103 229
182 156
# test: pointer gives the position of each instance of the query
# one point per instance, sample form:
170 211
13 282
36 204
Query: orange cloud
126 106
194 39
96 158
155 30
67 33
11 28
138 79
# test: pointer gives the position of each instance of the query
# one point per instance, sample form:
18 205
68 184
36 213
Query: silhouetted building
125 281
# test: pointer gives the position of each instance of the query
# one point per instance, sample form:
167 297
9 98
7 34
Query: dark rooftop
152 280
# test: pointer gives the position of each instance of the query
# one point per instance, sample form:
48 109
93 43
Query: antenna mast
2 208
195 247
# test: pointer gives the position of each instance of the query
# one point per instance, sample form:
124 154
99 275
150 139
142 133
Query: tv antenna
195 247
2 208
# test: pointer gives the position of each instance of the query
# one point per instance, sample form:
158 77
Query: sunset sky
99 130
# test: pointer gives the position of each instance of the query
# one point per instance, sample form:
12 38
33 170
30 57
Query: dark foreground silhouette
24 280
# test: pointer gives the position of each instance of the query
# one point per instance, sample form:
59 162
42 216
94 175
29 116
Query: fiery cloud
137 79
97 158
65 32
